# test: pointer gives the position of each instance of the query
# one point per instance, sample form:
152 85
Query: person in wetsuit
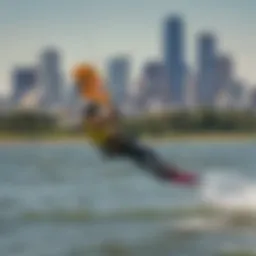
101 122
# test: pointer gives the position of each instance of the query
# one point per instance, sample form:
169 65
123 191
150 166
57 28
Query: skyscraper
253 100
174 58
155 81
119 78
232 96
24 80
190 92
206 91
51 78
224 73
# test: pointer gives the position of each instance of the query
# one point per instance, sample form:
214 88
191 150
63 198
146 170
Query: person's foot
185 178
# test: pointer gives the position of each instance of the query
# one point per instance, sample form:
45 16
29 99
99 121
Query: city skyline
95 31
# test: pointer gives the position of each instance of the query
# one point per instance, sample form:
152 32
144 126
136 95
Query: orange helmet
89 82
83 73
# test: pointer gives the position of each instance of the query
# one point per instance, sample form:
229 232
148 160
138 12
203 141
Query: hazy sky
96 30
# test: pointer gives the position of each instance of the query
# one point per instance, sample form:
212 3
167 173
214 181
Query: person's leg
147 159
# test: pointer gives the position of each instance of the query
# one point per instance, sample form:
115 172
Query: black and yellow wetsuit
98 135
118 144
104 131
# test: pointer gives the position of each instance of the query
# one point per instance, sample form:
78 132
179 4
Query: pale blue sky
96 30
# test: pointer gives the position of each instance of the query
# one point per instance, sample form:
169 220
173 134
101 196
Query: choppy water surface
64 200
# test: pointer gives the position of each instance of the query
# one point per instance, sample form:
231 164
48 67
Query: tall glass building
51 79
207 64
174 58
24 80
118 78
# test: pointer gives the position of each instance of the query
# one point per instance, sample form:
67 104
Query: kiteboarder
102 124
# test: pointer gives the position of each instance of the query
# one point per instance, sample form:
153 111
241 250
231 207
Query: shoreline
190 137
204 137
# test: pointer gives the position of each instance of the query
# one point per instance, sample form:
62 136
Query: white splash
228 190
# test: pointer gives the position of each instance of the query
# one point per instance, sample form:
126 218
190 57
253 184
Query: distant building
253 99
232 97
174 58
4 104
73 107
155 79
139 99
72 99
51 80
24 80
224 73
190 92
119 78
207 61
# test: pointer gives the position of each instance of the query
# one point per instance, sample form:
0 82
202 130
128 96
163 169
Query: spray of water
228 189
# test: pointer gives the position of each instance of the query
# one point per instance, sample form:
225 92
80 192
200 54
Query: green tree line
27 122
182 121
198 122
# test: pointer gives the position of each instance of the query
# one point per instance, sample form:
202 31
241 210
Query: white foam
227 189
200 224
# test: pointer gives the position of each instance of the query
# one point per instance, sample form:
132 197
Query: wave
228 190
230 200
200 217
85 215
237 252
225 199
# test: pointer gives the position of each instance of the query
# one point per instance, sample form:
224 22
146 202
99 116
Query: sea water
65 199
